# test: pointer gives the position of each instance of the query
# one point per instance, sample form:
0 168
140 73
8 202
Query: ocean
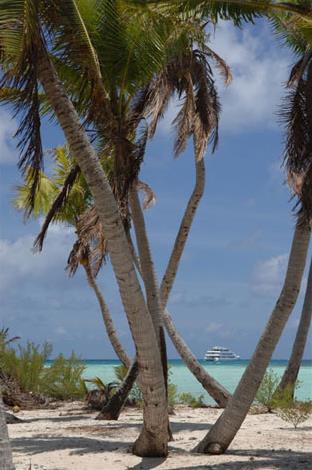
228 374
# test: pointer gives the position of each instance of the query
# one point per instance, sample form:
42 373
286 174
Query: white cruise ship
218 353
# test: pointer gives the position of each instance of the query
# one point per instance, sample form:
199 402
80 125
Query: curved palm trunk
291 373
109 325
184 230
153 440
112 410
224 430
214 388
6 462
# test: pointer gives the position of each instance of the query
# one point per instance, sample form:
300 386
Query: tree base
213 448
150 445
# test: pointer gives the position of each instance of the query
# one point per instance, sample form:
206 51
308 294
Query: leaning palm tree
224 430
26 64
298 162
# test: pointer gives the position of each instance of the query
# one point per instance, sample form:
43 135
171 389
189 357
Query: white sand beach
68 438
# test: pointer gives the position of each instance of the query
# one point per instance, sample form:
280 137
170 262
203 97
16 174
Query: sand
68 438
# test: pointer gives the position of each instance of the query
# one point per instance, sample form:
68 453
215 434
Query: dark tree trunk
112 409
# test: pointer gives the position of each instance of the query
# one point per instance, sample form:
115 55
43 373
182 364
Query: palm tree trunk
6 462
148 274
291 373
214 388
224 430
108 322
150 281
153 440
112 410
184 230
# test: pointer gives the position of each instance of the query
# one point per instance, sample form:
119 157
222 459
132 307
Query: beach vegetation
291 410
267 389
192 401
100 392
32 35
27 367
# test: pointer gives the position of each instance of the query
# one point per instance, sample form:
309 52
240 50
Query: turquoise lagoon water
228 374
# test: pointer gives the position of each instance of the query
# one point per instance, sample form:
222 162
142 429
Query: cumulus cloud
8 127
19 264
268 275
260 67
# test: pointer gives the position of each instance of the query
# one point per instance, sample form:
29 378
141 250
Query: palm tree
297 115
224 430
26 62
184 71
290 375
6 461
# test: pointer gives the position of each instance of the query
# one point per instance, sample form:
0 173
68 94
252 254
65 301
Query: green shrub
190 400
63 379
265 394
26 365
172 395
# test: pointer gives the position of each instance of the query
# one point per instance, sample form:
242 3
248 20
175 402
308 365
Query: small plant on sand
190 400
290 410
266 391
100 393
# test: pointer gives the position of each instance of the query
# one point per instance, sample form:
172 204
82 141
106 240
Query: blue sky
234 262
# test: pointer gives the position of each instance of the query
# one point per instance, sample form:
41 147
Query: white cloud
260 67
8 127
268 275
19 264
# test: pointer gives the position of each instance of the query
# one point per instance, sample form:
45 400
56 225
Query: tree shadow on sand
253 459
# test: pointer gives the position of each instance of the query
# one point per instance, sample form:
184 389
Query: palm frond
296 114
57 206
91 244
149 195
20 42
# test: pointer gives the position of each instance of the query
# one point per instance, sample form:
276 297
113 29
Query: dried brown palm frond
91 245
223 68
150 197
127 159
297 116
189 76
57 206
